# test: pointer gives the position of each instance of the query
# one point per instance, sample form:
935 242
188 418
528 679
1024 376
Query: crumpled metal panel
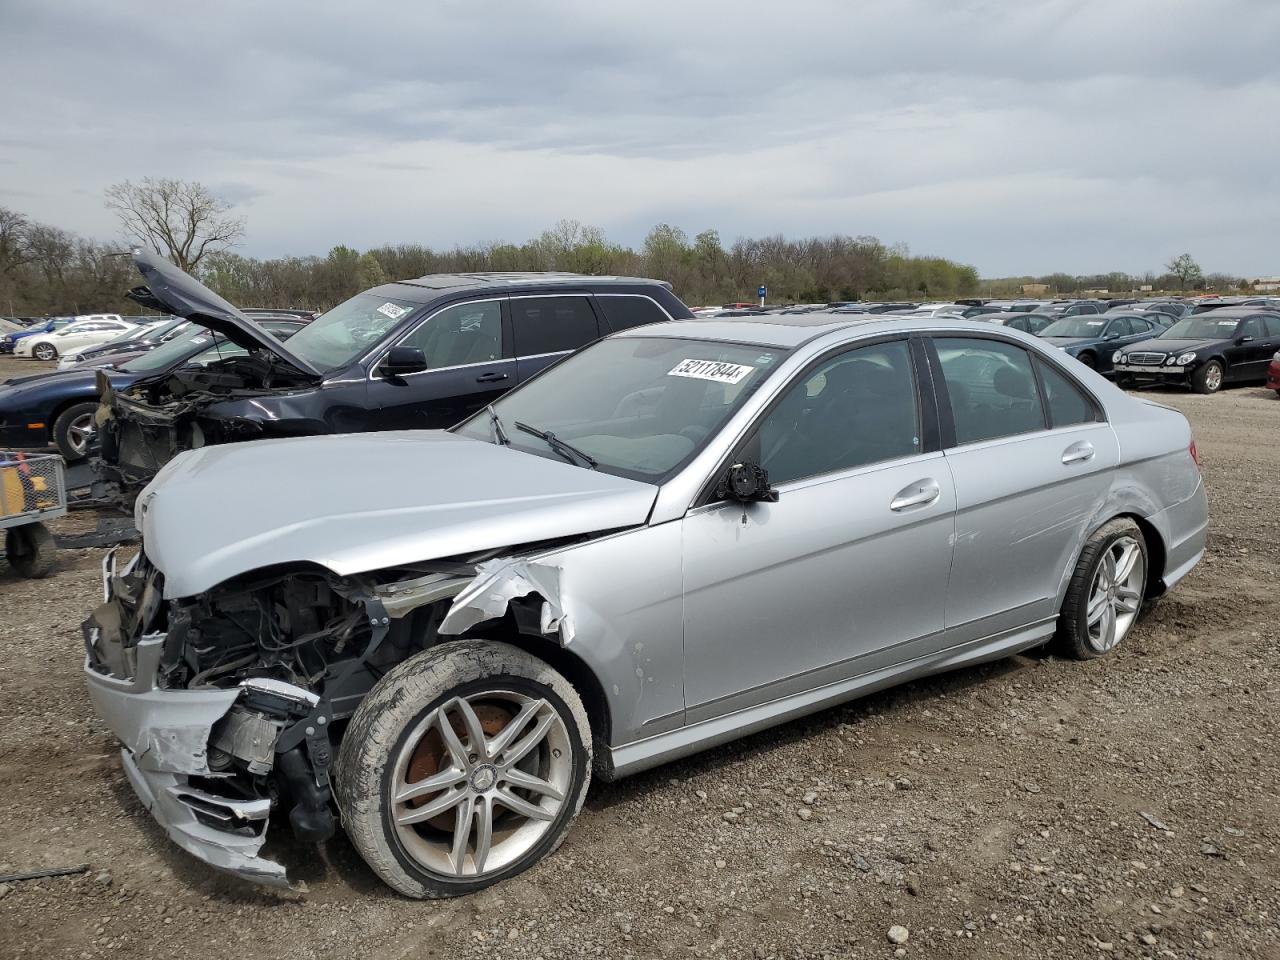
496 584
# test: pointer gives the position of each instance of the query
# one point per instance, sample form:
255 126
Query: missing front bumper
165 735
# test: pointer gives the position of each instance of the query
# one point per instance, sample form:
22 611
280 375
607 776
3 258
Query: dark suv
420 353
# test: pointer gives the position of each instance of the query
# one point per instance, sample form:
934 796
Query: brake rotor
429 755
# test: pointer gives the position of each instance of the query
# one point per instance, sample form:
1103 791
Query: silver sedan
677 536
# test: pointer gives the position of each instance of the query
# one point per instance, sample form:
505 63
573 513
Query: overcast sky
1021 136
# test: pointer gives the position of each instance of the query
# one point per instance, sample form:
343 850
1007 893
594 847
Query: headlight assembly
1185 358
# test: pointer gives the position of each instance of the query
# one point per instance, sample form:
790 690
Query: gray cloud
1020 136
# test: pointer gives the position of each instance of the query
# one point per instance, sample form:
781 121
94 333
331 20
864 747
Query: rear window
552 324
625 312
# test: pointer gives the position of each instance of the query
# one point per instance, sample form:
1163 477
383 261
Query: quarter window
552 324
1066 403
857 408
462 334
992 389
624 312
1273 326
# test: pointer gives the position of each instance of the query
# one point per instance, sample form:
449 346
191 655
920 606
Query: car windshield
640 407
1202 328
167 354
337 337
1075 327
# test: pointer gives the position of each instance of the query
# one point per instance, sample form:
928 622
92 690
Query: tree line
45 270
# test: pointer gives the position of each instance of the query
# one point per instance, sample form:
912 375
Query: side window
624 312
857 408
1067 405
552 324
1121 327
1273 326
1251 328
458 335
992 388
1089 308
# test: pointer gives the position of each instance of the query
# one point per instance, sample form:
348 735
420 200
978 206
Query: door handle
1078 452
919 494
492 377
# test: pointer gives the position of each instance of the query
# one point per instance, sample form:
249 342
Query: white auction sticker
392 311
715 370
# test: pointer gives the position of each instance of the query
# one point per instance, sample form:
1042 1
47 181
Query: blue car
59 407
1094 340
8 341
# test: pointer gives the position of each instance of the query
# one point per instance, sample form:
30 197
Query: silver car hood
361 502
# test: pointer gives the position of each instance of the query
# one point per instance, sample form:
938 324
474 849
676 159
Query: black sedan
1095 340
1227 345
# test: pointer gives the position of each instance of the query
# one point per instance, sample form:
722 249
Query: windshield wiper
566 450
498 429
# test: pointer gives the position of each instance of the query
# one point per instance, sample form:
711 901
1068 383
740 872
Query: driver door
469 365
847 572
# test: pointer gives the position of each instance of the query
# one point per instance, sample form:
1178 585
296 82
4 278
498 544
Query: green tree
1185 269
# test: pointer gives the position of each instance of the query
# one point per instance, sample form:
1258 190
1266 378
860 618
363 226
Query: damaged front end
229 704
144 426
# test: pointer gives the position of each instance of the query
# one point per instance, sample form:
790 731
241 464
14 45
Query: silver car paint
364 502
663 613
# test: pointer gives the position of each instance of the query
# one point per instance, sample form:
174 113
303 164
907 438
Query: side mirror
746 483
1112 336
402 360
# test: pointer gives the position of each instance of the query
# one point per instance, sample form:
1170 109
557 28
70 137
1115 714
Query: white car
82 333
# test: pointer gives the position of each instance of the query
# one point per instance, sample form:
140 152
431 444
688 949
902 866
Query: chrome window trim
374 356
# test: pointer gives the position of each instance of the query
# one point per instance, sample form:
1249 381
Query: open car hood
169 290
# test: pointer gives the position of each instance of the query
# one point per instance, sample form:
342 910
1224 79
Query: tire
402 725
1124 383
1207 379
1096 614
69 431
30 550
1089 360
44 351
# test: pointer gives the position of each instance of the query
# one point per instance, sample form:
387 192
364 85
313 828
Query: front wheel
464 766
1105 594
1089 360
45 351
73 431
1208 379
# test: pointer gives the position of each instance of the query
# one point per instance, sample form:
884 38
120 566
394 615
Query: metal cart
32 489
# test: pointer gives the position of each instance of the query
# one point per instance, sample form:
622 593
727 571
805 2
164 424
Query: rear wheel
1104 597
464 766
74 430
45 351
1208 379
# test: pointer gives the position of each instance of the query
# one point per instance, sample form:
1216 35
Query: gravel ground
1034 807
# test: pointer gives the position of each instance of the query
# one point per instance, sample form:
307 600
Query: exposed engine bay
142 428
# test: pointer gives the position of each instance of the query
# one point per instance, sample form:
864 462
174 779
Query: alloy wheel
80 433
1213 377
1116 594
479 781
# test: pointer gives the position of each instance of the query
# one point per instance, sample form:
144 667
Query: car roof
1236 313
444 281
791 330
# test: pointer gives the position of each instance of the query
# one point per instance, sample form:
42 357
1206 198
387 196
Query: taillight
1195 455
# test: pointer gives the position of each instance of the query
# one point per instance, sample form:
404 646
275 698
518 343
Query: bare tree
1184 268
13 240
179 219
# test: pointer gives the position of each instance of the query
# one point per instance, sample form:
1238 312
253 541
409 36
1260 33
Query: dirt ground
1035 807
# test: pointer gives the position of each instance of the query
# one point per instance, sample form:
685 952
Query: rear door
1249 360
546 328
1031 457
469 365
